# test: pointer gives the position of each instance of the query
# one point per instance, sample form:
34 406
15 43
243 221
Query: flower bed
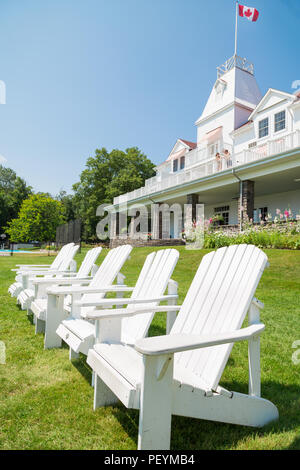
283 232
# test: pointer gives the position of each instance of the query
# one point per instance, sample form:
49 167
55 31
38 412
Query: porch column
190 211
192 199
113 225
122 225
132 227
156 219
117 224
139 225
246 202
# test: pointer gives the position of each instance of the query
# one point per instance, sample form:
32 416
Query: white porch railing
197 167
235 61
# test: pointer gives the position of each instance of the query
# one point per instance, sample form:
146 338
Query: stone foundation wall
228 228
139 243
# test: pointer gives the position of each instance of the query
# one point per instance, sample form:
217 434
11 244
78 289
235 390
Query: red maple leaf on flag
250 13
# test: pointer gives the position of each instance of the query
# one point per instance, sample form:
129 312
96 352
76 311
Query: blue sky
82 74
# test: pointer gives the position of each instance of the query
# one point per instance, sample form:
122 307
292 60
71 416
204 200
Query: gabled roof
243 125
243 128
192 145
284 95
175 153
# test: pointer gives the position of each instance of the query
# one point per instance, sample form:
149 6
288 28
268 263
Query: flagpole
236 28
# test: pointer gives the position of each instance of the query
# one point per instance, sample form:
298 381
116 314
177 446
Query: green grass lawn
46 401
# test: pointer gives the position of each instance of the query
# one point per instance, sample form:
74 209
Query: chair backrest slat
108 270
70 253
60 256
88 262
152 282
218 301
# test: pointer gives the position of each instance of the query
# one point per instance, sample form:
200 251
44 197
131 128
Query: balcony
199 164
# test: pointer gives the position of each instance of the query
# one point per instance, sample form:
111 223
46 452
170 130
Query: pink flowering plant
193 234
282 231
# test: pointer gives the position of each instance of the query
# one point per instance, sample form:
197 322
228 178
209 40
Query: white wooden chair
66 268
153 280
15 288
51 311
84 276
179 373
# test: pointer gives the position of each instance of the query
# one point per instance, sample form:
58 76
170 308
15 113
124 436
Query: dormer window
182 162
175 166
263 128
279 121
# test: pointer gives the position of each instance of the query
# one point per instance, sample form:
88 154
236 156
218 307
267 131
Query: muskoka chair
84 276
54 265
51 311
179 373
152 282
15 288
66 268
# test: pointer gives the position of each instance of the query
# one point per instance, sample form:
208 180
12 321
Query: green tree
38 219
106 176
13 191
67 201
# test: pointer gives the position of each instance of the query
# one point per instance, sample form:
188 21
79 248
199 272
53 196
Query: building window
223 213
213 149
263 128
175 165
261 214
182 163
280 121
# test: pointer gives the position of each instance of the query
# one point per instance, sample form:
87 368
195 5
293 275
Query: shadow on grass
83 368
196 434
295 445
29 317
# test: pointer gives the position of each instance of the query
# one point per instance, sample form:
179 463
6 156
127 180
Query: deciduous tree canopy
38 219
106 176
13 191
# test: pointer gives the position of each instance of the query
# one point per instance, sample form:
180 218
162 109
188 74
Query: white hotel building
262 170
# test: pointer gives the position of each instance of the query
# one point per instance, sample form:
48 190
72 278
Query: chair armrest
126 312
57 272
171 344
33 265
123 301
61 281
43 273
87 290
65 274
31 270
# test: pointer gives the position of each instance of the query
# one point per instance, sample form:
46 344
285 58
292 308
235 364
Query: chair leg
73 354
254 354
103 396
39 326
54 316
156 404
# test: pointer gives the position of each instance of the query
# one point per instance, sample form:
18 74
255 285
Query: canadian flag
248 12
